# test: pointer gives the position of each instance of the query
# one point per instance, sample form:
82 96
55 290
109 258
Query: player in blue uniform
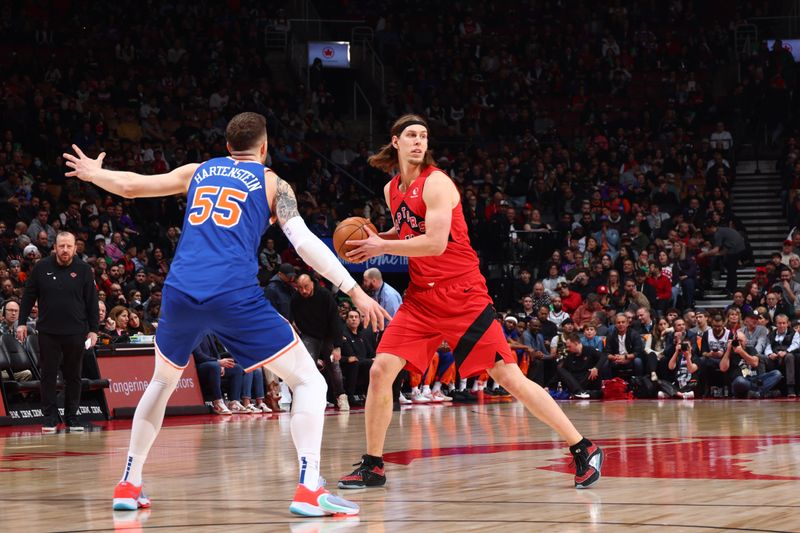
212 288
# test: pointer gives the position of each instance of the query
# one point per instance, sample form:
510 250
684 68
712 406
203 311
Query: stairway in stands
755 201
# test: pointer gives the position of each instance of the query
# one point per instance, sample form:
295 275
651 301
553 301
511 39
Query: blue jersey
226 215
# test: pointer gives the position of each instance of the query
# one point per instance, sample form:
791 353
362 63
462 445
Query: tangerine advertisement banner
130 374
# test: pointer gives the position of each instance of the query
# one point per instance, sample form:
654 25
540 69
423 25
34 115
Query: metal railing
358 91
781 27
372 64
276 39
316 29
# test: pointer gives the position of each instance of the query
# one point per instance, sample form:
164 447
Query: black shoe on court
50 425
370 473
588 460
74 425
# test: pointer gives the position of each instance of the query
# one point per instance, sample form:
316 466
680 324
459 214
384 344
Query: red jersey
459 260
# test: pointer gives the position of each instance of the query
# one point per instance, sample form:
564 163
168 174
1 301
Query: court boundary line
462 521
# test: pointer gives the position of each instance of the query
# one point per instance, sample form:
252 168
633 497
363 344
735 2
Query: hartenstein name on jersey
415 222
245 176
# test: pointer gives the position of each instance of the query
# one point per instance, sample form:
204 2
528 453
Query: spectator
644 323
721 139
558 346
730 244
733 319
714 344
781 350
316 316
776 306
8 326
680 367
269 259
538 350
570 300
553 280
586 311
528 309
212 365
40 224
654 347
557 316
539 296
788 253
358 352
381 291
788 288
624 350
632 299
754 333
741 368
701 318
580 368
121 317
279 290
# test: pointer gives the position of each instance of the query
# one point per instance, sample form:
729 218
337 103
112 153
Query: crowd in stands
594 156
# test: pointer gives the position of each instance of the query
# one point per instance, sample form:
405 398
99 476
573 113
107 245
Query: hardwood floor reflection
670 465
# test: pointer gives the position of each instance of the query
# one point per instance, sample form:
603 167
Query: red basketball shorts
460 312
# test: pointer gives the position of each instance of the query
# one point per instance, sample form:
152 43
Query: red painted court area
451 468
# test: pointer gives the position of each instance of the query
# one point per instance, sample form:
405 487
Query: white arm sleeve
318 256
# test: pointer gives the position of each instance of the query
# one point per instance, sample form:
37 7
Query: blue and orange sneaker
320 502
588 460
129 497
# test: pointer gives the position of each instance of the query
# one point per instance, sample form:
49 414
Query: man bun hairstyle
245 130
386 158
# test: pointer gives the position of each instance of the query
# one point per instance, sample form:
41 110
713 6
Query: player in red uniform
447 298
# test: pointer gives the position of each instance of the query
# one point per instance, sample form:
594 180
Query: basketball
350 229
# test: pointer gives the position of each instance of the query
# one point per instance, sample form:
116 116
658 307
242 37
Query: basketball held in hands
350 229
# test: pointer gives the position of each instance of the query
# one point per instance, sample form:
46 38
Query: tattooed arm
285 202
283 205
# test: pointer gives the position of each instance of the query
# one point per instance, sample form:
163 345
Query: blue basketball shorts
243 320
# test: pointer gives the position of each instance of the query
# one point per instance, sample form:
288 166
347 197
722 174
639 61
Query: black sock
373 460
584 443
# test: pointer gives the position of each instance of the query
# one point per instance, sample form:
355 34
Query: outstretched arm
128 184
313 251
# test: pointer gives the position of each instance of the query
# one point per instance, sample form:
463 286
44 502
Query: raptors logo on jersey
405 216
459 260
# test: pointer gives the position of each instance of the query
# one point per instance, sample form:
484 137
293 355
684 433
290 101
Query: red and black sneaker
588 460
369 473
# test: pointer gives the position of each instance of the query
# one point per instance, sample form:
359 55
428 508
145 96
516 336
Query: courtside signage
384 263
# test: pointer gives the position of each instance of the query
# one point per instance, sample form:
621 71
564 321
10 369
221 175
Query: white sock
462 384
437 386
309 471
414 391
297 369
426 390
148 418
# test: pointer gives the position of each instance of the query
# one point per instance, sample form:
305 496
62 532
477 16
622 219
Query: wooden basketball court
670 466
